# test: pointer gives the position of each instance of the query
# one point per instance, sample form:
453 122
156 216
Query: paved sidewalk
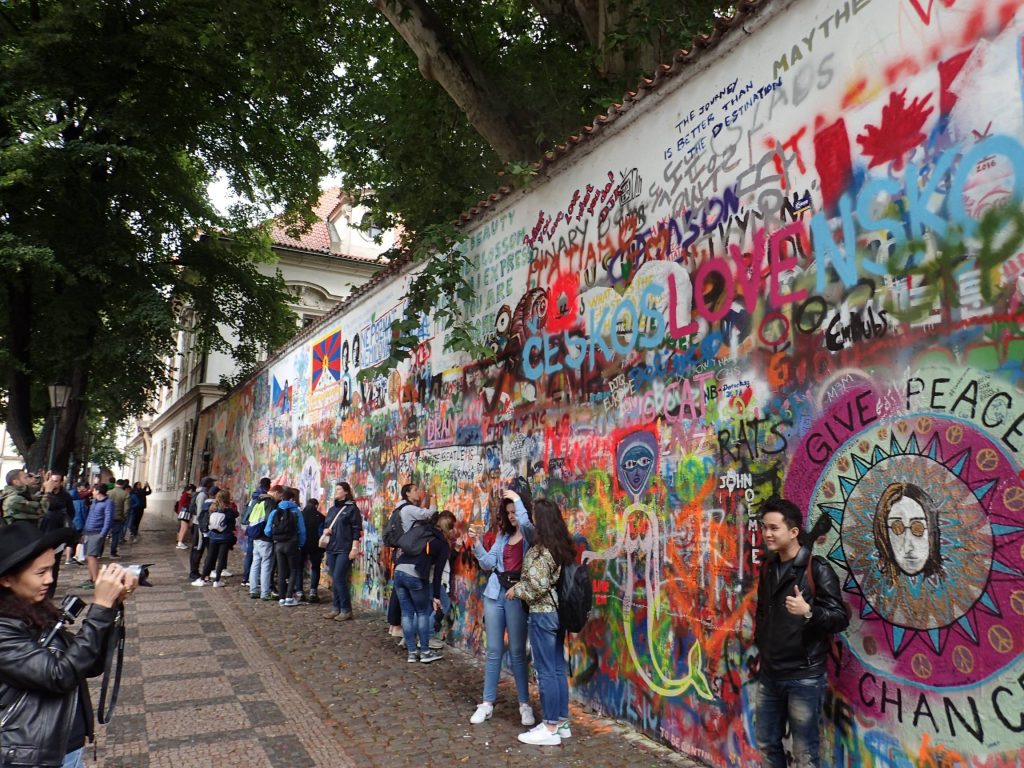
212 677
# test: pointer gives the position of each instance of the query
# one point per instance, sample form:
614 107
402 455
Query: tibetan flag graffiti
326 360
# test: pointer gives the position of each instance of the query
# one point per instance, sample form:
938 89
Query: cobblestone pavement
212 677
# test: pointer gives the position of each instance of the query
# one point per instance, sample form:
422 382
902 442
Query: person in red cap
48 714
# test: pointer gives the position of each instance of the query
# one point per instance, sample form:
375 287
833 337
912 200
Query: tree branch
454 69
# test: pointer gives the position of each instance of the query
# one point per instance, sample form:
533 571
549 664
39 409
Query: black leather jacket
40 688
793 647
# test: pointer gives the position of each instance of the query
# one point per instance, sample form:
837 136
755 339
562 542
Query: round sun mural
929 535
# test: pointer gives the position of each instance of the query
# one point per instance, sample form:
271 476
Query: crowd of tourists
100 514
286 542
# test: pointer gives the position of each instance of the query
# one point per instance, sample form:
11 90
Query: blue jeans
247 565
340 566
414 595
799 703
499 615
547 639
74 759
262 563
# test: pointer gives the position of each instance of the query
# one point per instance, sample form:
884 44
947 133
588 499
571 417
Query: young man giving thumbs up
793 625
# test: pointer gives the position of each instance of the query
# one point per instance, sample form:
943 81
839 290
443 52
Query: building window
172 469
161 472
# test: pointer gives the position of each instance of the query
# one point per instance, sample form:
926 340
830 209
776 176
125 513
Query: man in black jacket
794 623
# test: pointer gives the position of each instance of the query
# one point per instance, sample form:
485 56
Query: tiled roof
681 59
317 238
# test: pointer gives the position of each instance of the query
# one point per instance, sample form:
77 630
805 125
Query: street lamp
59 394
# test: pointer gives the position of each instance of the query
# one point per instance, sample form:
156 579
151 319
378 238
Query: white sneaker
563 730
526 714
483 712
179 545
541 737
221 584
200 583
225 573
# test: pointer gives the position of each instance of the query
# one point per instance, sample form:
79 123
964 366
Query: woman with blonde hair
223 516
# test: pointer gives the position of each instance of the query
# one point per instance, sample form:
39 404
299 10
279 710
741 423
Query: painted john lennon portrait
906 529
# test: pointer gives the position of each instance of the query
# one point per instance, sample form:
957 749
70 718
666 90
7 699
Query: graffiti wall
799 270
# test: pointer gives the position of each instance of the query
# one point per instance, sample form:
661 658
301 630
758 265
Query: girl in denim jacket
504 559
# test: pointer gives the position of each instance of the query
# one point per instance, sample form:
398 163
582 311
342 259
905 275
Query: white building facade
321 268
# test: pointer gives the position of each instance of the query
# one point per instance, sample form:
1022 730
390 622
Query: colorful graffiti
801 271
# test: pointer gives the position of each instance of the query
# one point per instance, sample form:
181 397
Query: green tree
114 117
445 94
440 95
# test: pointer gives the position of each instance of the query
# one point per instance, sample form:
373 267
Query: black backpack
392 532
575 596
283 527
415 540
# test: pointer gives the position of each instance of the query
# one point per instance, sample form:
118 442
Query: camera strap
112 670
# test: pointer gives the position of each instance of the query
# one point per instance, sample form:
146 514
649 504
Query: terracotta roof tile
317 238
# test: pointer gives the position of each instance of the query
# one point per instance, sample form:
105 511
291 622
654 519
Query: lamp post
59 394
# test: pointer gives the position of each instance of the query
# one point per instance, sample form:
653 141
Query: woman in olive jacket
45 712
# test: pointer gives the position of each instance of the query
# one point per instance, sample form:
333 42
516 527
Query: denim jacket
493 560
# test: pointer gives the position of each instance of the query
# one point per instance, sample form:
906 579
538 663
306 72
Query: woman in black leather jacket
45 712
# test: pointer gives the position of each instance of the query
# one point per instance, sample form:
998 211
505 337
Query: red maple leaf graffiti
899 132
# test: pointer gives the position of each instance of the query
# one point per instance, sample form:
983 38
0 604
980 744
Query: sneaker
343 617
412 658
244 584
401 642
314 597
429 655
268 598
280 600
483 712
563 730
289 602
254 595
436 643
87 585
179 545
395 631
541 737
114 556
526 714
218 584
274 595
225 573
200 583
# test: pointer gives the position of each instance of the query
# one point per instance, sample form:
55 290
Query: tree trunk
19 385
455 70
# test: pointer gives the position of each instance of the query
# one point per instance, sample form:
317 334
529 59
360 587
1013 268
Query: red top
513 557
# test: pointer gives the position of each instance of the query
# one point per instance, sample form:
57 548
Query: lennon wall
716 303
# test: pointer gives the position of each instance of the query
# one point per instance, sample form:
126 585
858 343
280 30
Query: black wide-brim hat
21 543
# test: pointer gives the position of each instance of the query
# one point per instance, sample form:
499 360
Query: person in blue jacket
223 516
289 536
97 525
504 560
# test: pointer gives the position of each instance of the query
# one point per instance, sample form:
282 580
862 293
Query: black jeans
216 553
289 567
314 558
199 544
